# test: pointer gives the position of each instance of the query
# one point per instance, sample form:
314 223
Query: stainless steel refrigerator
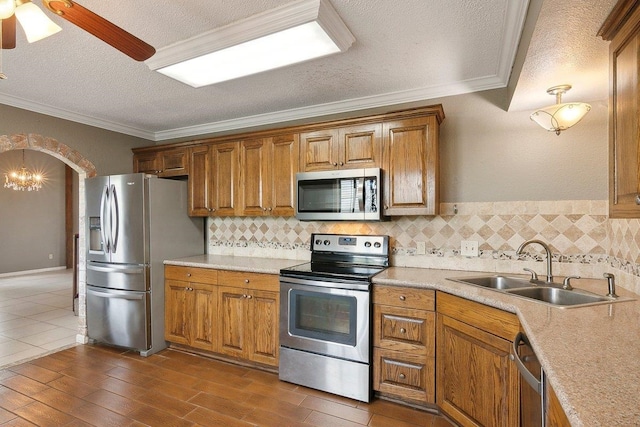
134 222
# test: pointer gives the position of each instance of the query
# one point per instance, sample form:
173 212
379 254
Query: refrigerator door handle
123 270
114 227
115 294
104 218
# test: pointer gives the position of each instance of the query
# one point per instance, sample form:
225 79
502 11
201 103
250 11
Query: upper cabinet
164 163
622 28
351 147
411 166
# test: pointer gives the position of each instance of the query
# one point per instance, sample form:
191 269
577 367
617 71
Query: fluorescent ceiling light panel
290 34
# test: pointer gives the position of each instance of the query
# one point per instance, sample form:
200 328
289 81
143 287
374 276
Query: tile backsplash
582 238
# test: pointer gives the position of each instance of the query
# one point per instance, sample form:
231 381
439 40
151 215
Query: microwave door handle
104 218
115 219
359 194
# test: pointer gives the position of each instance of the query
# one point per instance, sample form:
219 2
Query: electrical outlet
421 248
50 256
469 248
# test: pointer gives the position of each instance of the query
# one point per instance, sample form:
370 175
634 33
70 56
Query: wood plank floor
100 386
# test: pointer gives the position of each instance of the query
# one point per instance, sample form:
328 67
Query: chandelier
23 179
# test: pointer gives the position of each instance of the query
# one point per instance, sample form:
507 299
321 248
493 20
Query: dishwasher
533 388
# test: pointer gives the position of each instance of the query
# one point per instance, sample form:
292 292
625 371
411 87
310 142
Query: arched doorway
85 169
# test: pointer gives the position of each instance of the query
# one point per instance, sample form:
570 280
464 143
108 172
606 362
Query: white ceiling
405 51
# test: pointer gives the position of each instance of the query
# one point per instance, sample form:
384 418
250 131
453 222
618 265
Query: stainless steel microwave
344 195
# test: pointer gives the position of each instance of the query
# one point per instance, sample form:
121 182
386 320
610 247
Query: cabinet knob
402 298
210 210
402 376
270 209
246 280
341 164
188 274
403 331
249 297
264 209
244 295
637 199
334 164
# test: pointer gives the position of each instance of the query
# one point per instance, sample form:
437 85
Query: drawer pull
188 274
402 376
403 331
402 298
249 297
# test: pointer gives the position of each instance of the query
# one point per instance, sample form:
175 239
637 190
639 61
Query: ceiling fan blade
106 31
9 32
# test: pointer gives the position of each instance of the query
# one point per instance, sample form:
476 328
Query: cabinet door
146 163
411 166
477 383
283 167
254 178
262 327
177 311
204 308
198 183
225 168
319 150
360 146
231 321
173 162
624 190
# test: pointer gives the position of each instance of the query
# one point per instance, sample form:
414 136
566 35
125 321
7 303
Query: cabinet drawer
191 274
404 329
421 299
406 376
257 281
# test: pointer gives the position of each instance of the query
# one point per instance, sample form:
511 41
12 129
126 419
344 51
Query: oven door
325 320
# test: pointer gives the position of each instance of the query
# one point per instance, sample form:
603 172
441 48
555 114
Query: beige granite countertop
591 355
225 262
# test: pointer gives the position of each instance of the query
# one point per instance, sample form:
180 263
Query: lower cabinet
225 312
555 416
477 383
248 321
404 344
191 306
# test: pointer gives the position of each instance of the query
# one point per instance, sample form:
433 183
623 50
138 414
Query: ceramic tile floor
36 316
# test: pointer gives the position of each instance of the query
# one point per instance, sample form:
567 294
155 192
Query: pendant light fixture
23 179
559 117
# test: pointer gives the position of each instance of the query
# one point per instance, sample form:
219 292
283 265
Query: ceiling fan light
35 23
293 33
7 8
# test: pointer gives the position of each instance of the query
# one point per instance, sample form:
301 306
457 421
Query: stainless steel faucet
547 250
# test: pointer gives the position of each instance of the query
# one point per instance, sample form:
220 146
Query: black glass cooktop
332 270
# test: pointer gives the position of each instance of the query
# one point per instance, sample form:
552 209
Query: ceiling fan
73 12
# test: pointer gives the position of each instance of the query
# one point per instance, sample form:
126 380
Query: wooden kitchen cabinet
404 344
268 169
555 416
191 306
248 325
411 166
199 181
622 28
225 169
164 163
477 383
350 147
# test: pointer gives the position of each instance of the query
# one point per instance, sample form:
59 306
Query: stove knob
377 245
318 242
327 243
367 244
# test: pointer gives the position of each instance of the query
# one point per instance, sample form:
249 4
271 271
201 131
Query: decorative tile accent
578 232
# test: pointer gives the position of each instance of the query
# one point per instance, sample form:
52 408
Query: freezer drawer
126 277
119 318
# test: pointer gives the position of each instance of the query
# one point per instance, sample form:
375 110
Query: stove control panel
350 244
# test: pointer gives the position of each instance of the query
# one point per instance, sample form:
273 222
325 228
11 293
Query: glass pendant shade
35 23
559 117
7 8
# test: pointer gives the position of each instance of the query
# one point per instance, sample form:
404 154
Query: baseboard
25 272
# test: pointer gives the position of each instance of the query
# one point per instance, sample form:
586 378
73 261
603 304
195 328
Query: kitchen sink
536 290
495 282
561 297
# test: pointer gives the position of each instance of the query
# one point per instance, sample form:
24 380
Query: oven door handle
335 284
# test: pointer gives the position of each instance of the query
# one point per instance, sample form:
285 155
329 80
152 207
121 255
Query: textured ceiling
405 51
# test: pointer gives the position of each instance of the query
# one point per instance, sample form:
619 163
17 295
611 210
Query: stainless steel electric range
325 314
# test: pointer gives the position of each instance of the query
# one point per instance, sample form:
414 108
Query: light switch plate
469 248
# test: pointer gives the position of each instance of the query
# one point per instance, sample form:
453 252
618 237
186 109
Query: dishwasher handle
528 376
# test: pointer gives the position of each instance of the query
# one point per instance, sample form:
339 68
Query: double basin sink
551 294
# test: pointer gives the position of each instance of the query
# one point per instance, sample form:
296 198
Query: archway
85 169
